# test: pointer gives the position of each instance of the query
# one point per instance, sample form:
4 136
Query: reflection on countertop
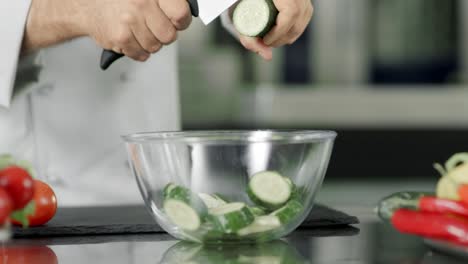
369 242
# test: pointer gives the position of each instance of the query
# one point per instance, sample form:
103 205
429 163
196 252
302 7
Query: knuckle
181 14
123 37
168 36
295 10
156 48
127 18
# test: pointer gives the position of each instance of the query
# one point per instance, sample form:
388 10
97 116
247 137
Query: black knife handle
109 56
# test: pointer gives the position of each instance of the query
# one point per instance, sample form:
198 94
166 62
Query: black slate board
137 220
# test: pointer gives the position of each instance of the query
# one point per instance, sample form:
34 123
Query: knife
207 10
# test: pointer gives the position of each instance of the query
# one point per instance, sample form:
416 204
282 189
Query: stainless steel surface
222 162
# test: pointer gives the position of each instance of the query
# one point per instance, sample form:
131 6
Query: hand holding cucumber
267 24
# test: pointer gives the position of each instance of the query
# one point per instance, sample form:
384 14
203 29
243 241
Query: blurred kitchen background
391 76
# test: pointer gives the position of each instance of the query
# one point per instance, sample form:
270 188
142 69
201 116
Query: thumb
256 45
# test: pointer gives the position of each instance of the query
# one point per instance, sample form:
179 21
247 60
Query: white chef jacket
60 111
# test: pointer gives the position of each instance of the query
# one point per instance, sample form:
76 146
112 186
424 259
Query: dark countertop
368 242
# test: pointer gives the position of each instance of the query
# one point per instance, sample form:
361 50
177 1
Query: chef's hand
135 28
292 20
138 28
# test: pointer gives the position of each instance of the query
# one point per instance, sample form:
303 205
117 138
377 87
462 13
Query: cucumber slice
183 208
289 211
182 214
254 18
211 201
269 189
298 193
261 224
168 190
257 211
231 217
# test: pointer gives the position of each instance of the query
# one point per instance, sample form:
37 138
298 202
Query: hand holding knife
207 10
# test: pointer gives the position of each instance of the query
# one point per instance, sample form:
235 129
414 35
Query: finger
297 30
160 25
288 13
126 43
145 37
291 37
256 45
178 11
135 51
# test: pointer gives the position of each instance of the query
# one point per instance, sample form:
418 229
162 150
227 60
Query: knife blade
207 10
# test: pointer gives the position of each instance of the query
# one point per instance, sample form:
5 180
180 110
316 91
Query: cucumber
261 224
257 211
182 214
230 217
289 211
183 208
298 193
171 186
254 18
211 201
269 189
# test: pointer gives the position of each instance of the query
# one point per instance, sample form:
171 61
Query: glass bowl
229 186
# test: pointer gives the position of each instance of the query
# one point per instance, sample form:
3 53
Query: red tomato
18 184
6 206
27 255
45 204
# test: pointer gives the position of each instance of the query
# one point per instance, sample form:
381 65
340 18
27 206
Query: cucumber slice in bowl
269 189
182 214
254 18
230 217
184 209
261 224
257 211
289 211
211 201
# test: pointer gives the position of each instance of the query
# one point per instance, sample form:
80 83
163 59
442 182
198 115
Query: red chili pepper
443 206
420 201
463 193
430 224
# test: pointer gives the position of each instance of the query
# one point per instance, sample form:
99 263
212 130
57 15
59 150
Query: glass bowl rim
231 136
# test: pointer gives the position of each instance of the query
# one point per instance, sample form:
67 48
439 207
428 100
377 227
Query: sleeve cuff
14 14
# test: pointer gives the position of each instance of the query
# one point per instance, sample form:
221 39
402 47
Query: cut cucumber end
254 18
